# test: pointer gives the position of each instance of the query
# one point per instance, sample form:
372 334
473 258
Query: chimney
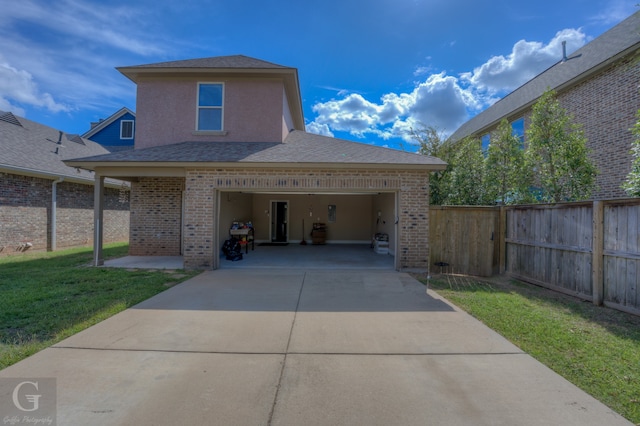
564 51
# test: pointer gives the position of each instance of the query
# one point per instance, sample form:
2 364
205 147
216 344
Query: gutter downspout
54 207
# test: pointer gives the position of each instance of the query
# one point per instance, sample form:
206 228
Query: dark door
279 219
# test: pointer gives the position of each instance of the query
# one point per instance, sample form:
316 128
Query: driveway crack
286 352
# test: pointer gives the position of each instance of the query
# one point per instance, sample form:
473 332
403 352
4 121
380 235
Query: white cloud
442 100
616 11
100 23
439 101
319 129
17 86
526 60
70 47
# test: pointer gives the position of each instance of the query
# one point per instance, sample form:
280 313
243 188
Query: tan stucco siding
252 111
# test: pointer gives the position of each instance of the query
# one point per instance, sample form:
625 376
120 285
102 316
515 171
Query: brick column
413 225
199 220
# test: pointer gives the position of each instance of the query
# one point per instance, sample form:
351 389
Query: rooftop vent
10 118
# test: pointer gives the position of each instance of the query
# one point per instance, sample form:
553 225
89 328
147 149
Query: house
222 140
598 85
45 204
116 132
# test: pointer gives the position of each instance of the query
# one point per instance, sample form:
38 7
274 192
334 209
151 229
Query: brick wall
201 184
156 210
606 105
25 214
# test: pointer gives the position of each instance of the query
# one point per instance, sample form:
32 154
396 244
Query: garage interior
310 230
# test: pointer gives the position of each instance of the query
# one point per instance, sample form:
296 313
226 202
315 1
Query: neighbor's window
126 129
517 127
210 106
486 140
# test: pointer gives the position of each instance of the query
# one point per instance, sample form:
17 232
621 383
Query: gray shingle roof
30 148
221 62
613 44
299 148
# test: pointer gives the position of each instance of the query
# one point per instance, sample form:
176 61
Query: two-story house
598 86
116 132
222 140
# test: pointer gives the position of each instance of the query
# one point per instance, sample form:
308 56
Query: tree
465 185
632 184
506 177
557 153
432 143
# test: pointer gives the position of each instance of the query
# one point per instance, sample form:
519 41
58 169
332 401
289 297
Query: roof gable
107 122
614 44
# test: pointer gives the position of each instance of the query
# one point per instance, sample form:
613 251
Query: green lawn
46 297
596 348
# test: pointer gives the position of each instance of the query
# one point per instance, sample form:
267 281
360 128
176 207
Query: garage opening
309 230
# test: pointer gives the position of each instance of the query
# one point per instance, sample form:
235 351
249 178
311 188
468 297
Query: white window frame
221 108
132 128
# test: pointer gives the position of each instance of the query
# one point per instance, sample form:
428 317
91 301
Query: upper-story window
517 127
210 97
126 129
486 140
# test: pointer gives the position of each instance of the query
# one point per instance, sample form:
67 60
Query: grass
46 297
595 348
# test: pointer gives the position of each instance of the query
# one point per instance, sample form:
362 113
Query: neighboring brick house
45 204
116 132
598 85
222 139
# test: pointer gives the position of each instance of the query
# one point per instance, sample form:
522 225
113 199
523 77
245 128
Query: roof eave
23 171
93 165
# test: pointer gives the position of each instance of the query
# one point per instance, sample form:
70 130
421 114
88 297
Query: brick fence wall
25 214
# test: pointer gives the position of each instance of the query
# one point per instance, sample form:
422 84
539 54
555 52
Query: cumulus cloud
17 86
441 100
526 60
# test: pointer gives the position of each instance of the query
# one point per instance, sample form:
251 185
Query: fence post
502 223
597 252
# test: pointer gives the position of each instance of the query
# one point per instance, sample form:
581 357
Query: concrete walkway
296 347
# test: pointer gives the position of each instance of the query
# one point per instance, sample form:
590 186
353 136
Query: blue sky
369 70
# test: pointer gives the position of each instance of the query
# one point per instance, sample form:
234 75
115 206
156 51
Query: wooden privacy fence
586 249
464 240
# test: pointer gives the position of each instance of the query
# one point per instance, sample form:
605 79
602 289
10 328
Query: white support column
98 207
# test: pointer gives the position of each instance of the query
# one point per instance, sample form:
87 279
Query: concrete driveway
296 347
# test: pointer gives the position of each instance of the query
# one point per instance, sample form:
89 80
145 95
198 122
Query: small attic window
126 129
209 117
